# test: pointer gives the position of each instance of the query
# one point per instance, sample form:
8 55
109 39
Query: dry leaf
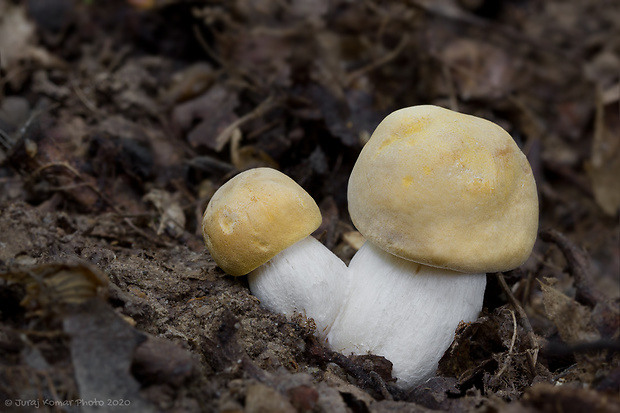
214 111
572 319
51 286
17 43
172 219
16 34
102 349
480 70
189 83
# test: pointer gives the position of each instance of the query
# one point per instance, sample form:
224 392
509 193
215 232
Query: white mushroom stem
404 311
305 278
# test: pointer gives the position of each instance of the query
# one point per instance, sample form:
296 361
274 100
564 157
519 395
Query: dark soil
119 120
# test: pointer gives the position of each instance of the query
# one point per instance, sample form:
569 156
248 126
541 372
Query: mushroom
442 198
259 223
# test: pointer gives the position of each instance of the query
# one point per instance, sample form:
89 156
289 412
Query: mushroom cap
445 189
254 216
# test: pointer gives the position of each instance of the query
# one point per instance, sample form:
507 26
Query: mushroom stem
404 311
305 278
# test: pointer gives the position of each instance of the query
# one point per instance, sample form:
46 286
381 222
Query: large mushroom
259 223
442 198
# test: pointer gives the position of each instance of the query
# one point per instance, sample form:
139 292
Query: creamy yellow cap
254 216
445 189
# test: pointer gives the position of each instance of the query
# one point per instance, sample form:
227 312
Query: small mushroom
442 198
259 223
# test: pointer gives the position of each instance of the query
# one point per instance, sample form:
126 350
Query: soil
120 119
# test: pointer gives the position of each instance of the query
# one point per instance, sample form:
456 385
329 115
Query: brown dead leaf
573 320
172 218
189 83
603 68
336 114
576 328
214 111
42 84
102 349
17 33
480 70
18 43
51 287
130 84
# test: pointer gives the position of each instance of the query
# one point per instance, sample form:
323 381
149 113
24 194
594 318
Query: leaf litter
119 120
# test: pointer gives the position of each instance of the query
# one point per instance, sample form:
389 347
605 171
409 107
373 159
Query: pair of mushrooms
441 197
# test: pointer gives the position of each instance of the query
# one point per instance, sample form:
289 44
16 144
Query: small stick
512 345
391 55
527 291
532 353
222 139
85 101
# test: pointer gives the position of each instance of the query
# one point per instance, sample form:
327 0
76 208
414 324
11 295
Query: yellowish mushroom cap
254 216
447 190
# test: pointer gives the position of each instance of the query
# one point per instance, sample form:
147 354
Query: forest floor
119 120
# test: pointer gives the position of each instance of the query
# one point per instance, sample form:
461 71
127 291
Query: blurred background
122 118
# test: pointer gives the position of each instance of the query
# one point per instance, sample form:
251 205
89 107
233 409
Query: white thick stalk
306 278
404 311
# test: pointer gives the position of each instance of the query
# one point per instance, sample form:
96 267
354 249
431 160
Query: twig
5 140
208 50
82 97
224 136
527 291
586 293
13 142
512 345
532 353
379 62
566 371
235 143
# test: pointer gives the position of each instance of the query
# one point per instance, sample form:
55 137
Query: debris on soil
120 119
